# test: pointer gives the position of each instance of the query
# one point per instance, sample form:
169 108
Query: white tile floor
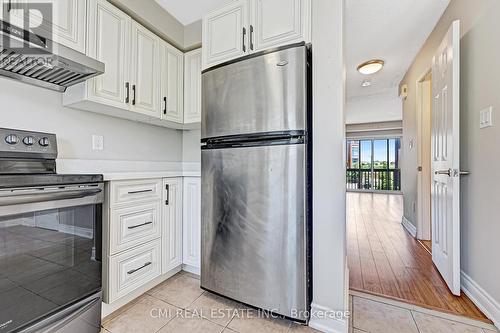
179 305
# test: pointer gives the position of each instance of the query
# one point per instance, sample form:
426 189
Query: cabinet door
108 41
191 219
145 60
225 33
172 83
62 21
192 87
278 22
172 224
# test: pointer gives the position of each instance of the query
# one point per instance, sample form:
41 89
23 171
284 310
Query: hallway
385 260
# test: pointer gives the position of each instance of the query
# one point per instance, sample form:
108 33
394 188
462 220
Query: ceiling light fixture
371 67
366 83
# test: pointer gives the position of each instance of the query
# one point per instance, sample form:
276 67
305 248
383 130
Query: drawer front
134 268
134 225
135 190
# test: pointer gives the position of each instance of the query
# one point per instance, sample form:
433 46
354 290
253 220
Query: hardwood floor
427 244
385 260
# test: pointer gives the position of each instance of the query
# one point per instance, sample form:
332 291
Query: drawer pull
140 225
140 191
138 269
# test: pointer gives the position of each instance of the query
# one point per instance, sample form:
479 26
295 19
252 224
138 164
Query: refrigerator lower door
254 226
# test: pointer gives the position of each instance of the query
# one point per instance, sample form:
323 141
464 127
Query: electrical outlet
97 142
485 117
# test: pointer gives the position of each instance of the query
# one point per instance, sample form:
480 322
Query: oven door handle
22 196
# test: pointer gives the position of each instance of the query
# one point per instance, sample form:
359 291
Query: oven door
50 252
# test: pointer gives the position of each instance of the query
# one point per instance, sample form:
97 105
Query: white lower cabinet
191 222
133 268
151 230
172 224
135 225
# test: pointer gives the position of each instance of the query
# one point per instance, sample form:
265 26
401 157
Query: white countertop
148 175
128 170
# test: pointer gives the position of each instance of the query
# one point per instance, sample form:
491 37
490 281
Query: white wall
192 35
33 108
150 14
154 17
480 201
191 151
330 284
374 108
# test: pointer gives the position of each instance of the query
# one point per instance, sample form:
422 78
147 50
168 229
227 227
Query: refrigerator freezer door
263 94
253 226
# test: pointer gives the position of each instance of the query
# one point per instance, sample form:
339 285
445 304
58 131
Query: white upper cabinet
62 21
145 57
225 33
172 83
192 87
144 75
109 34
247 26
278 22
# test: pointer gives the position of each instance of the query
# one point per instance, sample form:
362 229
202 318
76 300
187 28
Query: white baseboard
324 320
191 269
484 301
412 230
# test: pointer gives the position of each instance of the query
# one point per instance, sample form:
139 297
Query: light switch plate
97 142
485 117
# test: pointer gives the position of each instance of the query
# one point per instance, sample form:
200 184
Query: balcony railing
374 180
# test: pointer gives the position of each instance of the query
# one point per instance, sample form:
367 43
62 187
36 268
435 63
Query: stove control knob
12 139
44 142
29 141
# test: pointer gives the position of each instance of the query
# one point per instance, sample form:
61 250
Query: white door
172 84
109 37
192 87
278 22
172 224
145 55
445 191
225 33
191 224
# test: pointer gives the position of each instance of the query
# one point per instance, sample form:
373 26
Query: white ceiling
189 11
391 30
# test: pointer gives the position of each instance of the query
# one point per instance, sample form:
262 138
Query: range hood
35 60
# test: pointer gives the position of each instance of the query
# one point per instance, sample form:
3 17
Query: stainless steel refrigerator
256 180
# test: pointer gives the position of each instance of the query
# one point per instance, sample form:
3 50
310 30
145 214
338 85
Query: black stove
35 180
50 239
29 159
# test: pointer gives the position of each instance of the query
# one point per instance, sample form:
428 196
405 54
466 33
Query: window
373 165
